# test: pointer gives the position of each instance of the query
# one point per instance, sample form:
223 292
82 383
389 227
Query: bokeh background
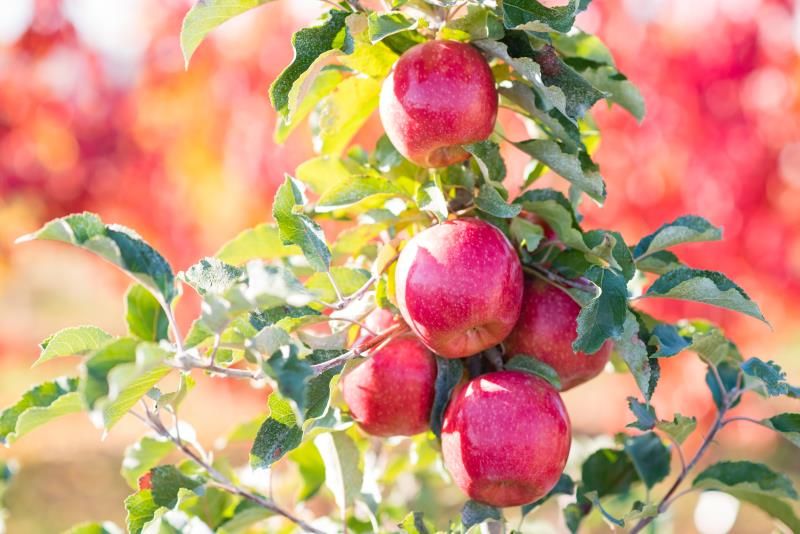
97 113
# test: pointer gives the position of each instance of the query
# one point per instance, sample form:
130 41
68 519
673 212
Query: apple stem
359 350
152 420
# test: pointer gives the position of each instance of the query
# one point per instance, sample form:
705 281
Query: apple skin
505 438
459 287
440 95
391 392
546 330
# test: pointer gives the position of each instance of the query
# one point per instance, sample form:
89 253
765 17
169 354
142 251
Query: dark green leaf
745 476
686 229
489 160
788 424
72 341
297 228
166 481
489 201
525 233
310 43
119 245
774 507
769 375
448 375
645 414
291 373
38 406
204 16
146 319
577 168
533 16
650 457
552 121
708 287
667 341
278 434
382 25
729 375
604 317
608 472
529 364
475 513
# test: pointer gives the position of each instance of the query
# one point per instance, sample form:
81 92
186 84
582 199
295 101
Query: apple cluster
461 291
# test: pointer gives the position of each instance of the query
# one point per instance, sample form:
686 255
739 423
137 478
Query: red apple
391 393
505 438
459 287
546 329
441 95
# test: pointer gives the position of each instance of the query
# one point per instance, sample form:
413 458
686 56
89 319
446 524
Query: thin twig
557 279
217 341
742 418
359 350
677 447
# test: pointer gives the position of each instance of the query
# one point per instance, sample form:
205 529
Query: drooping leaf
617 88
529 364
350 192
534 16
475 513
448 375
709 287
145 316
489 160
645 415
608 472
650 457
551 120
787 424
38 406
576 168
686 229
343 475
606 316
309 43
489 201
667 341
278 434
119 245
72 341
212 275
298 229
143 455
262 242
746 476
204 16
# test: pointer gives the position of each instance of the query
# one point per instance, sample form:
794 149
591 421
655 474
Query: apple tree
451 310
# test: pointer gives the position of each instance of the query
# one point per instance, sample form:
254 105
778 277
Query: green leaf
710 343
667 340
564 486
729 376
475 513
577 168
607 79
605 316
105 527
529 364
142 456
76 340
769 375
526 234
311 467
212 275
448 375
745 476
551 121
245 516
297 228
645 415
307 91
686 229
415 523
348 279
356 189
478 23
708 287
788 424
660 262
167 480
146 319
38 406
429 197
278 434
679 428
292 375
489 160
308 44
608 472
557 212
204 16
776 508
650 457
342 113
533 16
119 245
633 351
489 201
382 25
140 508
261 242
322 172
342 473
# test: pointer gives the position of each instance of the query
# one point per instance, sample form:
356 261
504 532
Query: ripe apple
546 329
391 393
505 438
459 287
440 95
